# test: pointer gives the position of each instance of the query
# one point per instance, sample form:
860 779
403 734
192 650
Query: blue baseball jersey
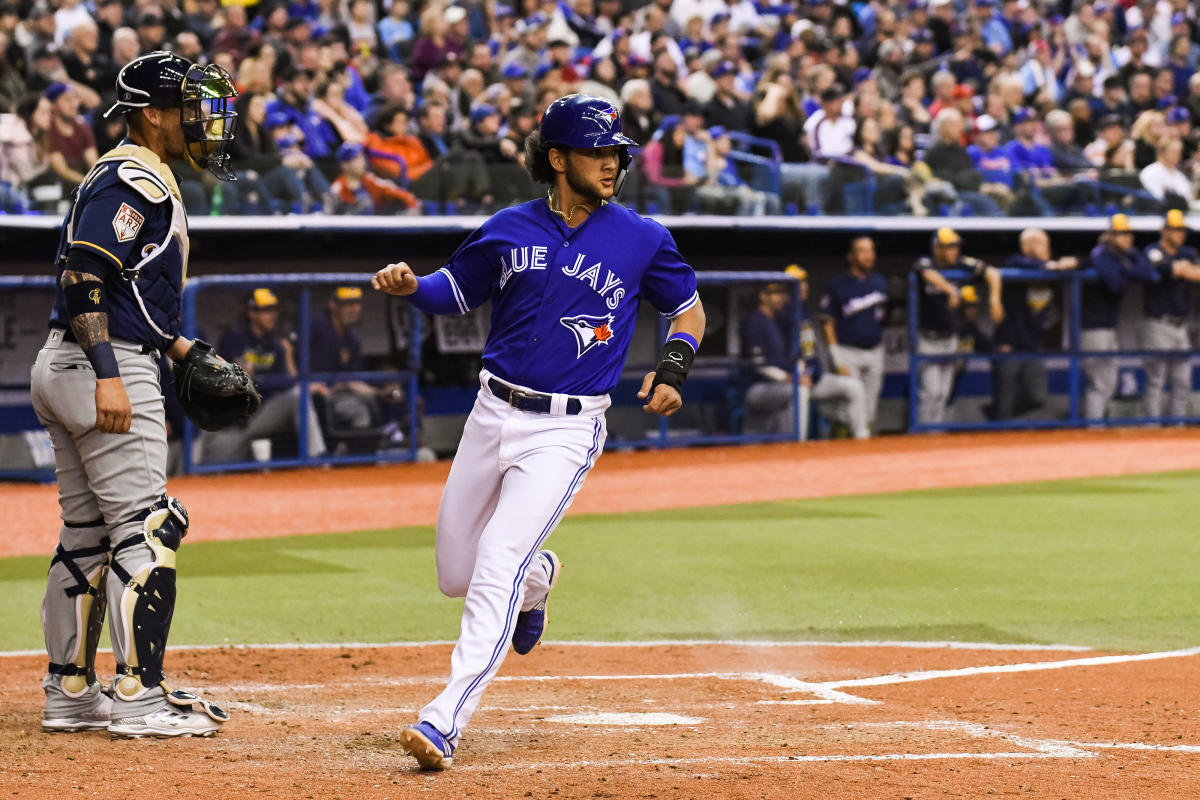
856 306
1028 308
934 313
264 355
128 213
1169 296
330 352
1101 300
564 300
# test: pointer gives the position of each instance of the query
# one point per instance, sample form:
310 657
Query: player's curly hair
537 158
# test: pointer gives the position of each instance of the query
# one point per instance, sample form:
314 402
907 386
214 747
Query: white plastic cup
261 448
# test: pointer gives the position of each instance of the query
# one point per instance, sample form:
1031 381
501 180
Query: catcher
122 261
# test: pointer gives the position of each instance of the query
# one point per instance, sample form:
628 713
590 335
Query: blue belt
529 401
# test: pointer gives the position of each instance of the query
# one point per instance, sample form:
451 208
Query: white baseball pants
512 479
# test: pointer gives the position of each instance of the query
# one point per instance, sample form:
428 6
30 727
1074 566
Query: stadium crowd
1021 107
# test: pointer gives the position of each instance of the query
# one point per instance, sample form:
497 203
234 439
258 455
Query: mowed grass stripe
1107 563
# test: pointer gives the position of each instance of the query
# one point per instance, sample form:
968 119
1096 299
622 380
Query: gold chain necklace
567 217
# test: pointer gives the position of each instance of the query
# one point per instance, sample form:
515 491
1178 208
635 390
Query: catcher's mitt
214 393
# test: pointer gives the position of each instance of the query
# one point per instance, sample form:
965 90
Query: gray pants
1158 334
769 407
104 480
1100 374
1018 387
867 366
838 397
279 414
936 378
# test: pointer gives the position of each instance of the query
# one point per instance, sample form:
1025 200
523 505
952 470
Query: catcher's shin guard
143 569
74 605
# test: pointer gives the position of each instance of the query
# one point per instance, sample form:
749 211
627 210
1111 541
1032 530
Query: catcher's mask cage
208 119
588 122
202 94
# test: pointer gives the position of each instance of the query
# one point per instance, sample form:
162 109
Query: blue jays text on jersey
856 306
128 213
564 300
1169 296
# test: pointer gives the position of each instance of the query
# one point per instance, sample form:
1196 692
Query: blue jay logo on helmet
589 330
585 122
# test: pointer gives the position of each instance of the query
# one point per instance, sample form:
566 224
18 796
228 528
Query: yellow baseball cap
946 237
796 271
263 298
347 294
1119 223
1176 220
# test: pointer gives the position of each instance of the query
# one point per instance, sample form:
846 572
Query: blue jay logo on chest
589 330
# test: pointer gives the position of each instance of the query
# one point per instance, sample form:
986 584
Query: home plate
617 718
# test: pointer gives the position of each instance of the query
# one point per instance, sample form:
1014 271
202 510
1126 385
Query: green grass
1109 563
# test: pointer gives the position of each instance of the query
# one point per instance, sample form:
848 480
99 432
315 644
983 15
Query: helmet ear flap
622 171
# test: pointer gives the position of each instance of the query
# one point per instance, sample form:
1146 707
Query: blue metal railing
664 437
1073 280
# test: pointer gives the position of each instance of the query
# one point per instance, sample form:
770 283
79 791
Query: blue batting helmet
585 122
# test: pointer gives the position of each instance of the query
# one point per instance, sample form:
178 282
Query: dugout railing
305 376
715 381
1072 282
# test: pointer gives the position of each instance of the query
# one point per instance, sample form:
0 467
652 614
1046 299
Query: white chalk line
823 692
1035 749
749 643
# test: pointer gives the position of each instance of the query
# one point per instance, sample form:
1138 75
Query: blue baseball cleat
531 624
428 746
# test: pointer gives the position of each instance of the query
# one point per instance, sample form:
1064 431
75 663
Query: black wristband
674 365
103 360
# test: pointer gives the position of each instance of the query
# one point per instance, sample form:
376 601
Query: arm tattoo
89 329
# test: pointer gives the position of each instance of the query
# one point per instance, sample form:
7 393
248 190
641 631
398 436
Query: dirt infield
667 720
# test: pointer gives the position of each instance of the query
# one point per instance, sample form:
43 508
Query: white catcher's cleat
166 722
93 718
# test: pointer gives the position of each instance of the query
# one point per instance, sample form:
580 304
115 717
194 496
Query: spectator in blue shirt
992 161
295 101
992 27
1050 192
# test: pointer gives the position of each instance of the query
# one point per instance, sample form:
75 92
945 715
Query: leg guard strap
67 559
66 669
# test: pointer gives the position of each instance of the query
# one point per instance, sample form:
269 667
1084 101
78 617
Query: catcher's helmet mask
203 95
587 122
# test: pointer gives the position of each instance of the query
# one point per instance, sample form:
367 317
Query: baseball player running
122 259
565 276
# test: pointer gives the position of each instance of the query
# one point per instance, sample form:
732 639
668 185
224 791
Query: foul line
911 645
